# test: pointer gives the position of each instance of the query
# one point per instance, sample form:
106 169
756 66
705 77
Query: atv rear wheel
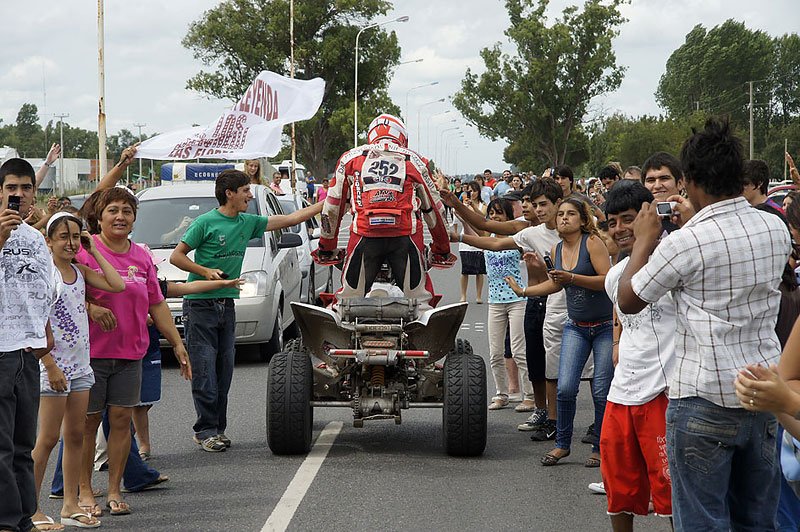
464 413
289 412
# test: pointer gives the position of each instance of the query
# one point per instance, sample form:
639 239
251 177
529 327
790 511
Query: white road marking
285 509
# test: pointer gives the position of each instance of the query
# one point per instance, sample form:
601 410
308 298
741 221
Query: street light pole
419 110
436 132
431 84
439 139
140 126
355 77
446 146
428 130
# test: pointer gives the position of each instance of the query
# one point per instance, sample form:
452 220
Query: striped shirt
723 268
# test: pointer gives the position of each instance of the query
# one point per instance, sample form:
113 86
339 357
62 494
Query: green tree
631 140
537 98
710 69
785 78
28 135
240 38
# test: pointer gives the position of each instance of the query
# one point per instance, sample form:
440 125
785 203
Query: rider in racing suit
389 190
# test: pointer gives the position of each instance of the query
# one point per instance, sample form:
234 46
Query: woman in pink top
322 192
118 339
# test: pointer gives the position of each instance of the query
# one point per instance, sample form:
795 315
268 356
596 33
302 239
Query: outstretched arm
280 221
113 176
52 156
485 242
479 222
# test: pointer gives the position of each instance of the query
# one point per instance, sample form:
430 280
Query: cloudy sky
50 58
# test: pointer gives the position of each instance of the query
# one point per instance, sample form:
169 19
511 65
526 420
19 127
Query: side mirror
316 233
290 240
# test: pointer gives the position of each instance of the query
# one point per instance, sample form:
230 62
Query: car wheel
464 412
275 344
290 415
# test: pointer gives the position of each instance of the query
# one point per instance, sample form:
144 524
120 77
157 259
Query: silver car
270 270
316 278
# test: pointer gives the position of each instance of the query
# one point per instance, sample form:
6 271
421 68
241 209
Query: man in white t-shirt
545 316
633 446
27 291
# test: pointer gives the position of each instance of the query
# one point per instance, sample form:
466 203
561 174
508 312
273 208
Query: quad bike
377 356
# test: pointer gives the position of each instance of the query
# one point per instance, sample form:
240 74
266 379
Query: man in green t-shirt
219 238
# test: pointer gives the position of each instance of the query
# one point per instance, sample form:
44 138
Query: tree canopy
536 98
711 71
240 38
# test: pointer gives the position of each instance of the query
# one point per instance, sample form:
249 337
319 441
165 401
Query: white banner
250 130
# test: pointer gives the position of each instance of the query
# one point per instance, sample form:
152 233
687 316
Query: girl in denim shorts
66 375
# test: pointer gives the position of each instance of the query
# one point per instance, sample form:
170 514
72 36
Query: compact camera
665 208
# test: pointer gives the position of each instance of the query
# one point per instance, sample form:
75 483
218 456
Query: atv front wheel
464 413
289 412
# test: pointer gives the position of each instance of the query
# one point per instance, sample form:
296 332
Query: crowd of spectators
670 286
677 278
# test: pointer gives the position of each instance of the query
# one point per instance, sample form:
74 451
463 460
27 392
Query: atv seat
378 308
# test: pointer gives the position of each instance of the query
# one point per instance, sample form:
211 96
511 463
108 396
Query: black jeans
19 408
534 339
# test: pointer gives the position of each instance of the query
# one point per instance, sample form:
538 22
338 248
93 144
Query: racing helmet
389 127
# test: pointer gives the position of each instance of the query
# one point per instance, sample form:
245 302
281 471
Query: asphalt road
380 477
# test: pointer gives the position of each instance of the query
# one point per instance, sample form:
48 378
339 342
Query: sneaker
210 444
498 402
597 487
590 438
536 419
224 439
546 431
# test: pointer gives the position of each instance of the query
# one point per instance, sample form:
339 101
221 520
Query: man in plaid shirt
723 268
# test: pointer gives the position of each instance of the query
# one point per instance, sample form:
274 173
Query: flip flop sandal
74 520
122 507
94 510
551 460
47 521
592 462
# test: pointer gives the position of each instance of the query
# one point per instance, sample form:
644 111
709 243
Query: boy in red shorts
633 443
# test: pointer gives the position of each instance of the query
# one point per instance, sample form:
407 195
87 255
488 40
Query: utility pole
61 157
101 81
140 126
751 118
292 176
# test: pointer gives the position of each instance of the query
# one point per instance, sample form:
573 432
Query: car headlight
255 284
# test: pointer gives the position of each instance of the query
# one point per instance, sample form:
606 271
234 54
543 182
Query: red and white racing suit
389 190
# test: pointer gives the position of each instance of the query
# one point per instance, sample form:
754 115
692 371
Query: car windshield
161 223
288 205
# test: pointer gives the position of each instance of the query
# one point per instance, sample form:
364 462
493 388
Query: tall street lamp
446 144
441 134
355 77
431 84
419 110
428 129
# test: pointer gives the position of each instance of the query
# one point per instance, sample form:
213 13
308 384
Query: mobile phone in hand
548 262
224 275
14 202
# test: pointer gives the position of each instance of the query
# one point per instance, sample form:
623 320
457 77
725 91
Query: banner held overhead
251 129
